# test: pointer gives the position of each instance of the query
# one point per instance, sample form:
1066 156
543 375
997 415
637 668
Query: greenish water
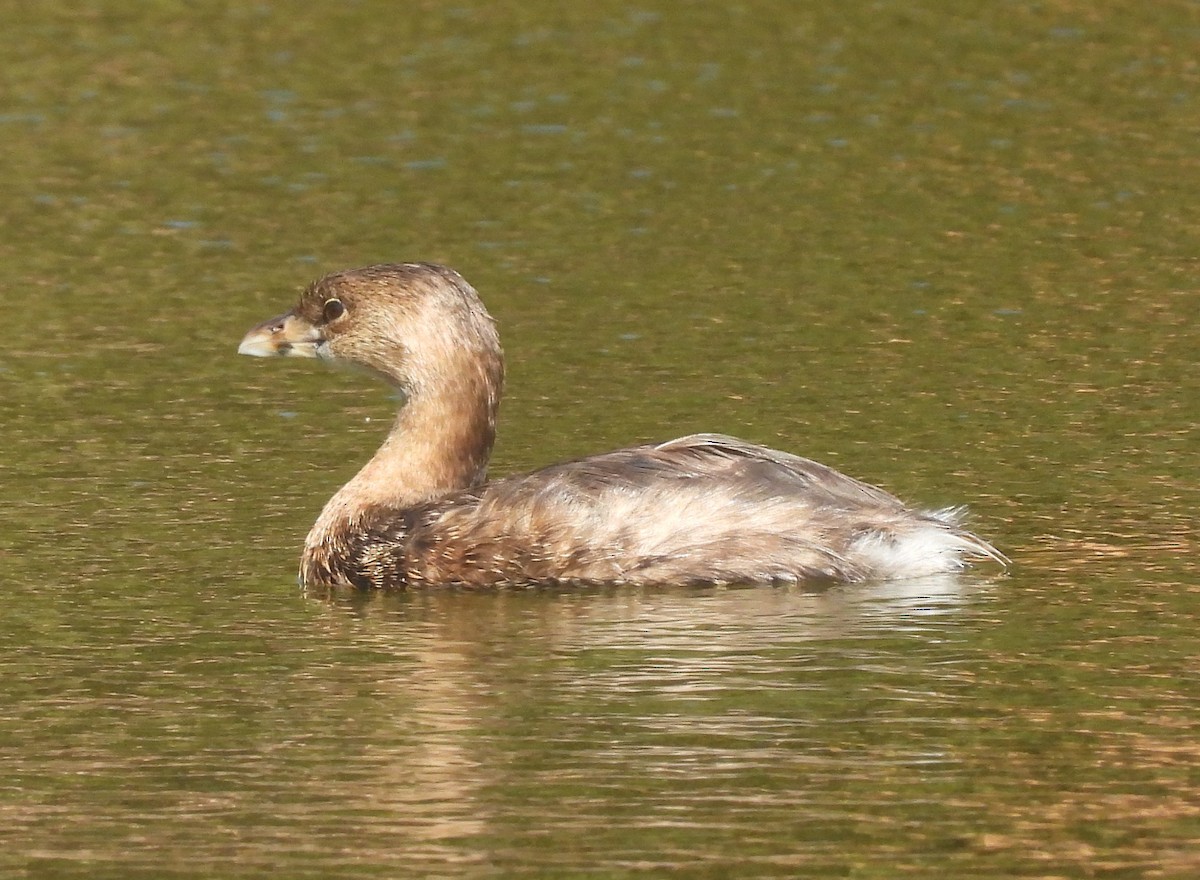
948 248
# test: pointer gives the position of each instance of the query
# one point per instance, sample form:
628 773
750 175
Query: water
950 252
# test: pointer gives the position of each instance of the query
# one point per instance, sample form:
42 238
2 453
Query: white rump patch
935 548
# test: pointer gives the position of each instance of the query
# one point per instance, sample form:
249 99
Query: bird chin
303 350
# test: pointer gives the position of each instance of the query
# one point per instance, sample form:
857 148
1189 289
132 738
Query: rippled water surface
950 249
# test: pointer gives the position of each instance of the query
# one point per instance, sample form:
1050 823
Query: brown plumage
701 509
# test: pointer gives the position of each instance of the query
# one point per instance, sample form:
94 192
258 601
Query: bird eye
333 309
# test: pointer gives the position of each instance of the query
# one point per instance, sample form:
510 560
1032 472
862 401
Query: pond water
948 250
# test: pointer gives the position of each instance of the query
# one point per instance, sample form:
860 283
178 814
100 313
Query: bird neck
439 443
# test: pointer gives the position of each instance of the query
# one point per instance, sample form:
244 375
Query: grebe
701 509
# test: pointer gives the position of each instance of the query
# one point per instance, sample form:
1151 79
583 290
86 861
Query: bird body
700 509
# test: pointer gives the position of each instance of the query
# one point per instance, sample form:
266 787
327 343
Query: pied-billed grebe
700 509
